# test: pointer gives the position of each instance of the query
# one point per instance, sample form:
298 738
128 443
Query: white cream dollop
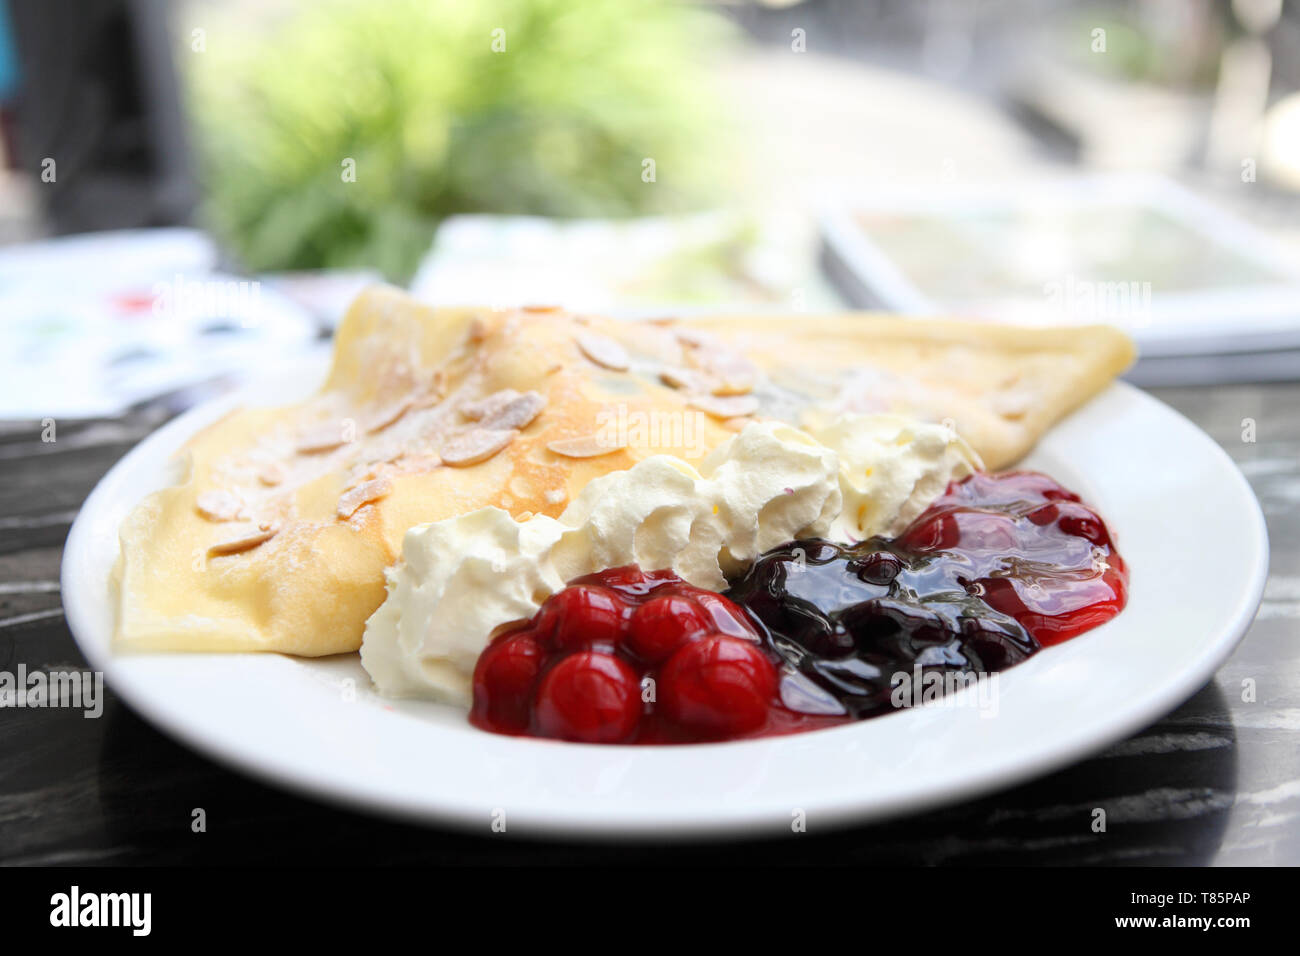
891 469
460 579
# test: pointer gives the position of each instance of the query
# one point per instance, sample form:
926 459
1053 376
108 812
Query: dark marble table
1215 782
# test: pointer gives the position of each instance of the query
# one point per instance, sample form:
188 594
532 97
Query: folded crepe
278 534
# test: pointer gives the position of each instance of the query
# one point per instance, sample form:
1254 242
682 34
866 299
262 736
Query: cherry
627 576
718 685
581 617
503 681
727 618
1082 522
663 624
935 530
629 580
576 671
589 697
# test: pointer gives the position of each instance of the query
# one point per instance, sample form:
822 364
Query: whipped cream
458 580
891 469
462 578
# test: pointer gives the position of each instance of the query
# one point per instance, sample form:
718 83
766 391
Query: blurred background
190 186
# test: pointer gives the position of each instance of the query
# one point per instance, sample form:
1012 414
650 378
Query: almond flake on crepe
472 447
481 408
417 463
731 374
695 339
244 542
219 505
724 406
684 378
389 414
272 473
435 392
605 352
540 308
320 439
362 494
727 371
584 446
1014 403
505 409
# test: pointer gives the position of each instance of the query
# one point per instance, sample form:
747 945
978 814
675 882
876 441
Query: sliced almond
436 391
390 413
1012 404
584 446
321 439
482 408
219 505
414 464
479 444
676 377
731 375
695 339
363 494
724 406
518 412
727 371
505 409
540 308
604 351
272 473
244 542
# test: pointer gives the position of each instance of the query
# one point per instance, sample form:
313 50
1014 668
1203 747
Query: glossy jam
1028 548
625 656
997 567
815 633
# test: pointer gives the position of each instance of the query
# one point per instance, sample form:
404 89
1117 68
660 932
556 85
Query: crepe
1001 386
277 536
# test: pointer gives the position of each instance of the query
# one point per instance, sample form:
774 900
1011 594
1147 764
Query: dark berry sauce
994 569
815 633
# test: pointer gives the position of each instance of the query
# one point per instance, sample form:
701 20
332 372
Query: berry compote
626 656
815 633
995 568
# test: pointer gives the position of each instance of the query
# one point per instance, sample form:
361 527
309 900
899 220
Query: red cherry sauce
626 656
1030 549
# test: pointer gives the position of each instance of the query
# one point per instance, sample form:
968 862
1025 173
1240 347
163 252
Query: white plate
1185 518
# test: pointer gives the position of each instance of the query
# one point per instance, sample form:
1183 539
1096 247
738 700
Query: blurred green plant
439 119
1135 51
